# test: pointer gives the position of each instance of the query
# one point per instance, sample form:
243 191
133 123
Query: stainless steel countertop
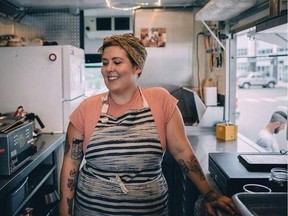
204 141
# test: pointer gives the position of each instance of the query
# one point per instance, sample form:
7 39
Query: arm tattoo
192 166
211 196
183 166
70 205
76 151
72 180
67 146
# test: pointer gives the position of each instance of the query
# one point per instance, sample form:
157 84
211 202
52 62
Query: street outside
256 106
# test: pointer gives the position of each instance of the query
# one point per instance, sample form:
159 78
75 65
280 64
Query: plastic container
16 197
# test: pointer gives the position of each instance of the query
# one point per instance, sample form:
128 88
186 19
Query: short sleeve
85 116
77 117
162 105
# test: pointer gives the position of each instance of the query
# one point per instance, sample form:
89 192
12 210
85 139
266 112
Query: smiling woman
123 134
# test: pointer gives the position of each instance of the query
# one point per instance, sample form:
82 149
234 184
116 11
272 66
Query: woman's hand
215 200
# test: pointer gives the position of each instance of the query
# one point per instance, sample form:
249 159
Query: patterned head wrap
131 44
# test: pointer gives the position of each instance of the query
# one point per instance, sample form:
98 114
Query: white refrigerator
45 80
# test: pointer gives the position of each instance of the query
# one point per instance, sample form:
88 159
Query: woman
123 134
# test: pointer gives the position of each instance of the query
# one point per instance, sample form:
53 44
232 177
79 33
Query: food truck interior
196 62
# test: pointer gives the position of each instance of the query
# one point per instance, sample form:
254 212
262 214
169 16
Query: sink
254 204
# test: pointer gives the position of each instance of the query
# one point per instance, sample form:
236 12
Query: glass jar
279 176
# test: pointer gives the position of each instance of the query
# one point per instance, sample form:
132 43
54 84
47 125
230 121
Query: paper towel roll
210 96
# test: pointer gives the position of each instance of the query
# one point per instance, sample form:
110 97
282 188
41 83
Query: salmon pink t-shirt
161 102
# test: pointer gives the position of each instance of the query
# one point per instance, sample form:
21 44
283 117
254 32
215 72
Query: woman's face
117 70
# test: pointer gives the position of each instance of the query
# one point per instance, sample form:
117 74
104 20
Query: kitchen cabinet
24 187
230 175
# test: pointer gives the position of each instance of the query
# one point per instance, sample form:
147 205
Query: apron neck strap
105 103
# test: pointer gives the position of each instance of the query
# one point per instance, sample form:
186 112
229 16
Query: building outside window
257 103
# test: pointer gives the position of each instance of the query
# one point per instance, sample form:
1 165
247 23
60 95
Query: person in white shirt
266 138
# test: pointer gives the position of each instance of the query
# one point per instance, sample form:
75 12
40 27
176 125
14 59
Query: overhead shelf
221 10
271 22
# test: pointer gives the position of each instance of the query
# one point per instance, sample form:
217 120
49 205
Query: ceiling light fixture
132 7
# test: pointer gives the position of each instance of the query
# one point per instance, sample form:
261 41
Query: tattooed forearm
70 205
77 151
183 166
192 166
211 196
72 180
195 167
67 147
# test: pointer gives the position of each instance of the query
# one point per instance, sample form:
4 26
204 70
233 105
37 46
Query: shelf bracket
214 36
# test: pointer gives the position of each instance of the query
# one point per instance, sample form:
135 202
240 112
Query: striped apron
122 174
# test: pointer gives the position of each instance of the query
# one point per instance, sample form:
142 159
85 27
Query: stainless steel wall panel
50 25
169 66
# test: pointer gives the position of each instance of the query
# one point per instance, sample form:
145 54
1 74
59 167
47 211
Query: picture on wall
153 37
